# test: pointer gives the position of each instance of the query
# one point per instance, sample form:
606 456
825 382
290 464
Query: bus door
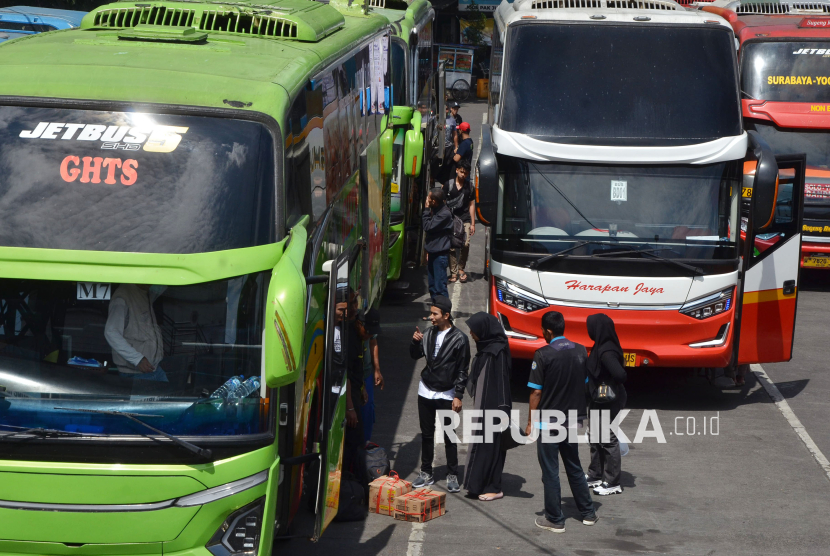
771 279
343 302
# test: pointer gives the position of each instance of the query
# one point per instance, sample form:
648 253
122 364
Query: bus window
398 74
134 182
298 176
154 349
425 70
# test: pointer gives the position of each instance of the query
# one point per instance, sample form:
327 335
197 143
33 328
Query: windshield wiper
205 453
650 253
39 431
542 260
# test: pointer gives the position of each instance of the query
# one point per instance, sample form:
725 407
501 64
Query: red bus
784 57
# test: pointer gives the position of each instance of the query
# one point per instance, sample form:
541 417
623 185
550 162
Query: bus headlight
520 298
710 305
240 532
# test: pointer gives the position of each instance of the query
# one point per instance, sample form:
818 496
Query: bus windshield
134 182
620 84
677 211
150 350
786 71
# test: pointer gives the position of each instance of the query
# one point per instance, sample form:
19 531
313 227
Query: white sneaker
592 484
605 489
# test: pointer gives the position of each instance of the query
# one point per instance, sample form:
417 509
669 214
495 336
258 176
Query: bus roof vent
762 8
596 4
643 4
289 19
377 3
144 15
554 4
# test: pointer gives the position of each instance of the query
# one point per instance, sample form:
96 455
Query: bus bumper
814 250
658 338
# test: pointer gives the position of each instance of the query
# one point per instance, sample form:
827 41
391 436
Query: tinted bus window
146 183
786 71
620 84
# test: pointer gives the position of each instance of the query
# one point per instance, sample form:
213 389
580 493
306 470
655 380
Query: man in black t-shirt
464 151
557 377
461 200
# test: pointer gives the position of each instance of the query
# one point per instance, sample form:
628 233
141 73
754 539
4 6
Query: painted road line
415 546
792 419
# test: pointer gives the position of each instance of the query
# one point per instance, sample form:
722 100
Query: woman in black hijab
489 384
605 365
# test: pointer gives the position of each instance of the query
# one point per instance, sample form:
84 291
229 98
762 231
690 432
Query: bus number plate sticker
619 190
92 291
630 359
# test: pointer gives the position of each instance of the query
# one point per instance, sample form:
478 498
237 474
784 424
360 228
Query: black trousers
426 415
606 461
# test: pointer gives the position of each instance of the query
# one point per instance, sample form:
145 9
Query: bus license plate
817 262
630 359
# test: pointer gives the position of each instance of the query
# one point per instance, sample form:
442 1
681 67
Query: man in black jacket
447 352
437 224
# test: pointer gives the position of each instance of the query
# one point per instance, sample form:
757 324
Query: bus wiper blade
39 431
540 261
205 453
650 253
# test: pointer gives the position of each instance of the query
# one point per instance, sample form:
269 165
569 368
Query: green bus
412 86
194 203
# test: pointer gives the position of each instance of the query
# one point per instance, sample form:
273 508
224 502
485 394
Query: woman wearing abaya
605 365
489 384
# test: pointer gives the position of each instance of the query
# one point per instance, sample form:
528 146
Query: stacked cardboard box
384 490
421 505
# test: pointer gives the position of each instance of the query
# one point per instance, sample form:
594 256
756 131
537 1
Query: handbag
603 394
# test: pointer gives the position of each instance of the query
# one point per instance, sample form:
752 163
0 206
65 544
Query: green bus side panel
396 253
15 548
93 489
105 527
136 268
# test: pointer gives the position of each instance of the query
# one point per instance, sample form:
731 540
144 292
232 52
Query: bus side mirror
487 180
413 147
765 185
387 145
285 313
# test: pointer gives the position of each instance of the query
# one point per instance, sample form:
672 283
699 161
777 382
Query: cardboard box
384 490
420 505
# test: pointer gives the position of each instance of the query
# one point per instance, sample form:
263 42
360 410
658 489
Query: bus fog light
240 532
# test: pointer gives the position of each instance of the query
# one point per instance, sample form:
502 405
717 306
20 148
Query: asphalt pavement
747 485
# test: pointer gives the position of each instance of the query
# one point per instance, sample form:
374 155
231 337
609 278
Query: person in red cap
464 150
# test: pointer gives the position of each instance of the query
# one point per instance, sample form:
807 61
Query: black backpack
352 504
459 236
377 462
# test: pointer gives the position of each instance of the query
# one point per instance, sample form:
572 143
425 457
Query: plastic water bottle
248 387
226 391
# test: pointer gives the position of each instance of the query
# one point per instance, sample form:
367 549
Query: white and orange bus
611 177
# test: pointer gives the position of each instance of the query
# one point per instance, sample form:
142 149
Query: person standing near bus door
464 150
371 371
437 225
454 106
443 380
133 333
557 378
461 200
605 365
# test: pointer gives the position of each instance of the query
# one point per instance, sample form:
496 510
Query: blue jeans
157 375
549 461
437 273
